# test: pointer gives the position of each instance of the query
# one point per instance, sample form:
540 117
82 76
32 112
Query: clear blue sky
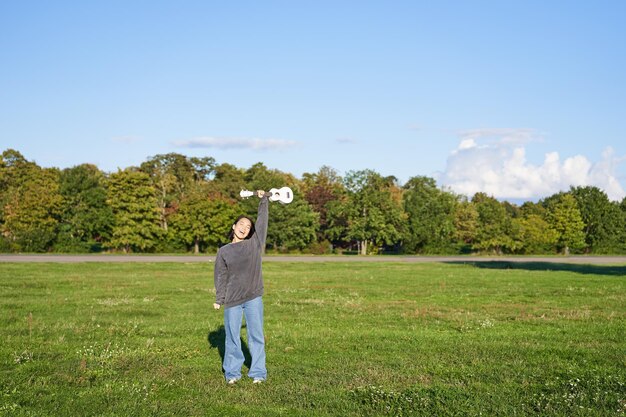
515 98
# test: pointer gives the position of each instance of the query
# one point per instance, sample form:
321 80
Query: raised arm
261 221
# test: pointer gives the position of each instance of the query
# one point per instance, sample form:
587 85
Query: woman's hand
260 193
216 306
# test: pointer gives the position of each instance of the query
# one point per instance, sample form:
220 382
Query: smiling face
241 229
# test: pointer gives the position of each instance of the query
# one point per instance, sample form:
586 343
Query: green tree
564 217
319 190
375 217
202 222
203 168
430 216
172 176
538 237
86 218
228 182
465 224
602 218
337 226
622 233
291 226
132 200
32 210
529 208
15 170
494 226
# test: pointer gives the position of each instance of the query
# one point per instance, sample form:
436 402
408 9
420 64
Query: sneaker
232 381
258 381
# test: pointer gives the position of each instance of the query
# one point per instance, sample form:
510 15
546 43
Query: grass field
343 339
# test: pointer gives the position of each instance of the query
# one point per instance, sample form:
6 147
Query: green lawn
343 339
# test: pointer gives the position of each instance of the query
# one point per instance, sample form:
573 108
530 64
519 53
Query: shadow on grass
217 340
614 270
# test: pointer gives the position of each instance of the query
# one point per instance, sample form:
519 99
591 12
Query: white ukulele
283 195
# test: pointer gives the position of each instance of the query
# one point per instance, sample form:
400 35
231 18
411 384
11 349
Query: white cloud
236 143
467 144
494 161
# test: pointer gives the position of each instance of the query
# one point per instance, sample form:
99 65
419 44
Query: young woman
239 288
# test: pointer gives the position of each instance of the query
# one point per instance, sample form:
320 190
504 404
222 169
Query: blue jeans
233 355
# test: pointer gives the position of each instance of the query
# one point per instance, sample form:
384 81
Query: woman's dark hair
231 233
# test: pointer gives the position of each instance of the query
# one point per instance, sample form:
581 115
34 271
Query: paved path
595 260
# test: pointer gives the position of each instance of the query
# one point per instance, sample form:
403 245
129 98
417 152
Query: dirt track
593 260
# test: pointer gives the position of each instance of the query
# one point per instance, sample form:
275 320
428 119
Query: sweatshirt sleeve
261 222
220 274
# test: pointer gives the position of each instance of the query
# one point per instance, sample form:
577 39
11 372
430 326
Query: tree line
174 203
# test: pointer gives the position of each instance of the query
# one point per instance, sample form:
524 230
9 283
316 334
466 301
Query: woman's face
241 229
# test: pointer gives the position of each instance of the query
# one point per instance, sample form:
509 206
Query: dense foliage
175 203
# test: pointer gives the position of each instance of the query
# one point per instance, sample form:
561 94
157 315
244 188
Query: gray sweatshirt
237 274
